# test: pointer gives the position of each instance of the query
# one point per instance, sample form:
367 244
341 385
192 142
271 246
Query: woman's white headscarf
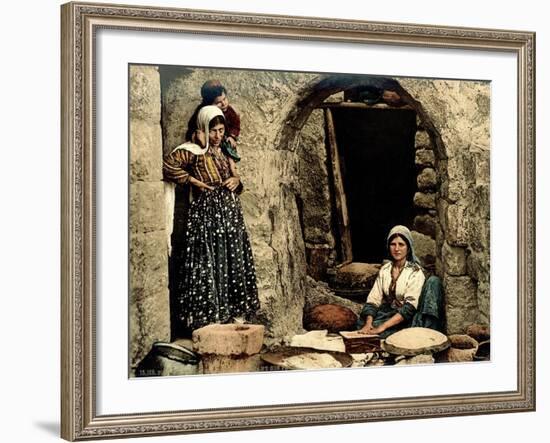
203 121
404 232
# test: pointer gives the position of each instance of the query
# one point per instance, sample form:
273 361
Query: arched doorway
381 169
376 146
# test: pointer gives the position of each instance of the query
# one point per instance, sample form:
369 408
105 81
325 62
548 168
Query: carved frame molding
80 21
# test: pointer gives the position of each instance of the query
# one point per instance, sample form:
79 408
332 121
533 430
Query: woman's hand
232 142
232 183
371 330
206 187
202 186
377 330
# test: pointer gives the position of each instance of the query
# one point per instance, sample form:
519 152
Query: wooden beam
359 105
342 216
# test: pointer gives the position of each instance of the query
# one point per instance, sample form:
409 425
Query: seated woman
401 296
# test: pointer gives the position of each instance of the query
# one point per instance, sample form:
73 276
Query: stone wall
149 299
454 125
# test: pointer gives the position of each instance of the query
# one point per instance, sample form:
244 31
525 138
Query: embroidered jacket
211 168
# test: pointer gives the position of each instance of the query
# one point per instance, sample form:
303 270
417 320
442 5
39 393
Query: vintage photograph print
296 221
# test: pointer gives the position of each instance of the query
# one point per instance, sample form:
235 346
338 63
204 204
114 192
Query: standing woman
401 296
217 280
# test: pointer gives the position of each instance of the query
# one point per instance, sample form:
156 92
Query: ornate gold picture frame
81 23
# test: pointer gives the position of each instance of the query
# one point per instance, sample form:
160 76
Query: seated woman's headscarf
203 120
404 232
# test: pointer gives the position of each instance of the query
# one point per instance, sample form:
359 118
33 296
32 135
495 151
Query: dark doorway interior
376 148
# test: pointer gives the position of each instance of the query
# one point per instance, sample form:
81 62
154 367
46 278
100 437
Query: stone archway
452 156
429 154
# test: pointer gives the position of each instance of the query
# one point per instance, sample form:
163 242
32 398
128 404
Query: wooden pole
342 217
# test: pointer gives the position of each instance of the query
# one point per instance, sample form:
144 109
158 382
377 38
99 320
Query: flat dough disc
416 341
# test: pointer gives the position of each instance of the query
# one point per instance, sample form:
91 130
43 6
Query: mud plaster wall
315 197
454 126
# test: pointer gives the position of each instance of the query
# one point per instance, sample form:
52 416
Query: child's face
215 135
221 102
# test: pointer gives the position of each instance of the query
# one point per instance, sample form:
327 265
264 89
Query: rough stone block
425 224
223 364
319 232
461 175
460 291
147 206
458 223
427 179
425 248
148 264
318 259
479 210
458 318
145 93
229 339
149 321
424 157
484 300
478 266
454 259
425 201
482 167
422 140
484 317
145 151
462 308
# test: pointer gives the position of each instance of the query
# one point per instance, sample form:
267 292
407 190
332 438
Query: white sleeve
376 293
414 288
